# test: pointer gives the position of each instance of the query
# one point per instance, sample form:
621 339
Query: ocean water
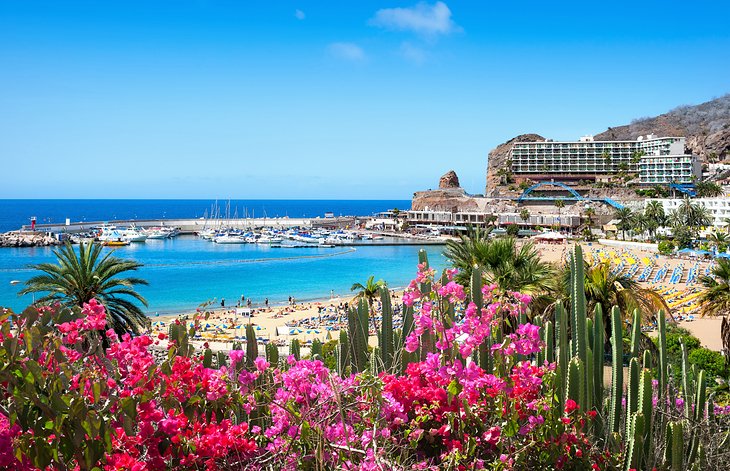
15 213
187 271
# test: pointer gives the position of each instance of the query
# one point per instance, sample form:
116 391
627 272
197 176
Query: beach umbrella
258 327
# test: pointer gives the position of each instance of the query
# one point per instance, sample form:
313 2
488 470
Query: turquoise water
186 271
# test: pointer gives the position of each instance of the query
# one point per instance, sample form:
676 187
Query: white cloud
347 51
422 18
413 53
299 14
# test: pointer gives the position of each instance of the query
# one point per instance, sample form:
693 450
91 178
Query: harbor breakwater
28 239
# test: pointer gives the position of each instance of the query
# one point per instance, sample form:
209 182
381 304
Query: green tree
524 214
718 239
654 212
510 267
560 204
708 189
369 291
626 219
715 298
590 212
78 278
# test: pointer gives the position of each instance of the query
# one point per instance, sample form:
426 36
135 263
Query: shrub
709 360
666 247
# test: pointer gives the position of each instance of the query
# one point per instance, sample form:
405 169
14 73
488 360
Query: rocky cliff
706 127
498 160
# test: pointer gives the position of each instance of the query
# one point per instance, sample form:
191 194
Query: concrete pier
190 226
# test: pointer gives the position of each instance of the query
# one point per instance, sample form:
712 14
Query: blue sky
320 99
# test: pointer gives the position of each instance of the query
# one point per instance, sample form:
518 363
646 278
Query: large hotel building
656 160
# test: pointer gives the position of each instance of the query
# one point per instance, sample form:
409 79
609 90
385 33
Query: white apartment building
718 207
463 219
655 159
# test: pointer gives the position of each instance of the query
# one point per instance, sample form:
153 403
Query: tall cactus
252 347
632 392
578 305
587 399
617 378
663 361
484 354
561 336
576 381
343 353
358 331
674 447
272 354
208 358
295 349
635 334
425 287
700 403
598 351
686 379
406 357
645 408
635 442
316 353
386 342
549 339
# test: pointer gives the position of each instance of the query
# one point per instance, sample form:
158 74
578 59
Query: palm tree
503 263
560 204
641 224
590 212
692 215
708 189
654 211
718 238
369 291
625 220
524 214
79 278
715 299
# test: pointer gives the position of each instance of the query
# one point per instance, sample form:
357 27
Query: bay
187 271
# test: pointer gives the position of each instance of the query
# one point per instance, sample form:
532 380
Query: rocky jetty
27 239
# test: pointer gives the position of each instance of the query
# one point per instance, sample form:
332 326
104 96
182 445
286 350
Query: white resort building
656 160
719 207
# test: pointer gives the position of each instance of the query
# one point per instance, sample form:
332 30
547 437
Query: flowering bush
70 403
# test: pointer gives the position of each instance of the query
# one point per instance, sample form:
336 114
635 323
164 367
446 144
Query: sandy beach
322 318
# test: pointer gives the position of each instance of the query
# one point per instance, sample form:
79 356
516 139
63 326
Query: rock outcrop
706 127
449 196
449 180
27 239
498 160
